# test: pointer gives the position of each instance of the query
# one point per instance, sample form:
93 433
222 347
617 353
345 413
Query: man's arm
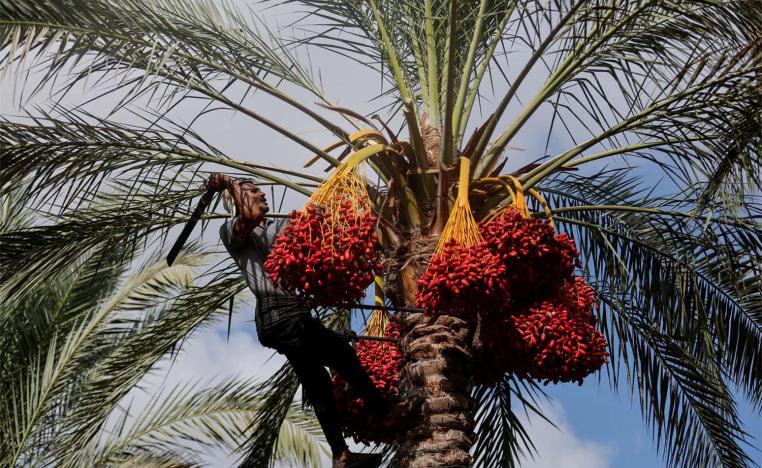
249 212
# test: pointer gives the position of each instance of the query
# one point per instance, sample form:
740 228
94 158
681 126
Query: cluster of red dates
382 361
460 279
537 260
324 257
537 317
554 340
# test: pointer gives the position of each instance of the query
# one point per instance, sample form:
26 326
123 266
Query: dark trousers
314 348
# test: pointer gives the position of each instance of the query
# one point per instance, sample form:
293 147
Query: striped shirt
274 306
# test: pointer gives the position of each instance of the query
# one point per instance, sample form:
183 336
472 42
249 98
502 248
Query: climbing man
286 325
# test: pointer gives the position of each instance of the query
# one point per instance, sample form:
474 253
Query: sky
596 428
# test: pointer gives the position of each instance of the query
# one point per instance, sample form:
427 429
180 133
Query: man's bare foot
347 459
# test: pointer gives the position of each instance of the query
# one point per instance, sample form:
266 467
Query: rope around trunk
352 336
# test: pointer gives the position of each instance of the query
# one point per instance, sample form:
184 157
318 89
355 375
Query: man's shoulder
226 232
229 239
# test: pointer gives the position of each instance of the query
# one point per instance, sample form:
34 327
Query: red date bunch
326 258
538 261
556 340
382 361
461 279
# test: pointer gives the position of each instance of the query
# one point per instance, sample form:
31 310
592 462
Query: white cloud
560 447
209 355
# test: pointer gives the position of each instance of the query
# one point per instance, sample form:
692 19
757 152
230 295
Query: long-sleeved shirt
275 308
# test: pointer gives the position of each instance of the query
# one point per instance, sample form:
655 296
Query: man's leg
335 352
319 389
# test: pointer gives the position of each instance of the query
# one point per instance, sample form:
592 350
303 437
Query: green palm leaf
665 336
501 438
92 321
193 419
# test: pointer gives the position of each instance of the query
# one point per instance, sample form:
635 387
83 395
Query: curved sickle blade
206 198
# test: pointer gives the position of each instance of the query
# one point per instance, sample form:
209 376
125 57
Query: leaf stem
467 66
432 65
483 67
446 156
647 115
500 143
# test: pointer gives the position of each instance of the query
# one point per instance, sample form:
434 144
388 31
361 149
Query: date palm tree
627 93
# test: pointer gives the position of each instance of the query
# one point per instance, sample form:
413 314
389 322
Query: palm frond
670 79
69 158
196 418
501 438
277 397
115 375
157 48
666 319
13 214
166 459
300 441
409 44
91 321
32 254
736 172
690 409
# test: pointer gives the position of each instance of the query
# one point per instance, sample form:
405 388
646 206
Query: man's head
253 197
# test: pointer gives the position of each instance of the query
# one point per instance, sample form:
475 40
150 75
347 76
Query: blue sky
599 429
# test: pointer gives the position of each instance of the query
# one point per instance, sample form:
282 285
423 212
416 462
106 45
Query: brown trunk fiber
437 366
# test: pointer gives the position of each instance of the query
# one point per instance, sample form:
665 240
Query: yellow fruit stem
461 225
518 200
544 205
377 322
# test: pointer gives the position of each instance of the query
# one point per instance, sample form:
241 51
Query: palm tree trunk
437 366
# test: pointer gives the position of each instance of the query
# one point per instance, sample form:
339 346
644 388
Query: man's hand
218 182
